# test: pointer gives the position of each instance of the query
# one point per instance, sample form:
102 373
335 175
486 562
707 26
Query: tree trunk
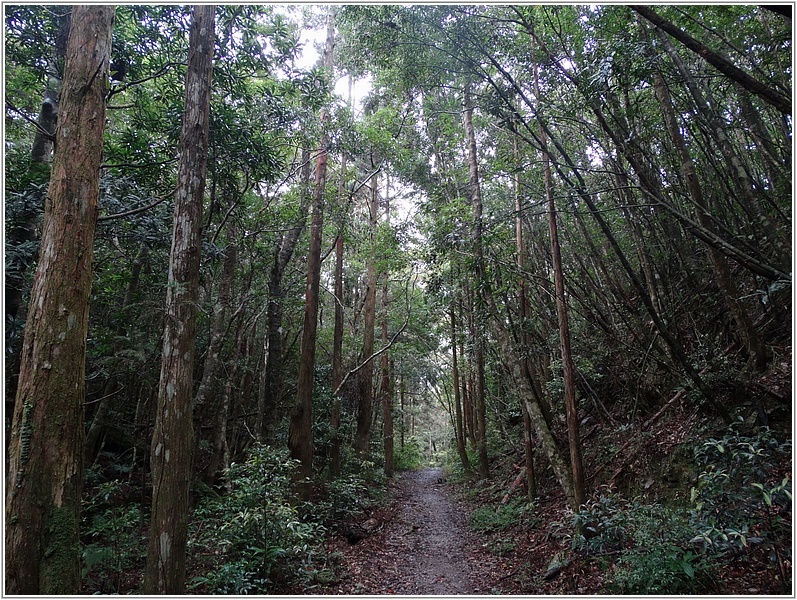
479 274
459 430
218 327
99 421
771 234
269 413
363 434
385 388
337 336
45 478
722 64
173 435
568 371
547 441
300 433
528 447
750 339
220 446
22 230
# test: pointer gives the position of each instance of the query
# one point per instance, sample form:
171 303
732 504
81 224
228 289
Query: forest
277 276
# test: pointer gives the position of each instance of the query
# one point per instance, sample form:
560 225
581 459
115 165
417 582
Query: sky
314 39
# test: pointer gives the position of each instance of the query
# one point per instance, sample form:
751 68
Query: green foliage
256 534
668 550
411 456
112 534
652 540
488 520
602 524
738 500
661 561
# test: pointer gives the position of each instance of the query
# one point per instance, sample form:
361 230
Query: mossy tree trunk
172 439
45 477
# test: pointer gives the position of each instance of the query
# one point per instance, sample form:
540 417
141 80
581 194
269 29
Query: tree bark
523 309
23 229
45 478
300 432
173 435
337 336
385 388
459 428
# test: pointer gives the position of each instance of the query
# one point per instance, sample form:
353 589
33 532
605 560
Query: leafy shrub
348 495
256 534
652 540
487 519
411 456
738 499
602 524
661 560
113 537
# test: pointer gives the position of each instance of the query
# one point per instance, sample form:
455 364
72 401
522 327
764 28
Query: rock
354 532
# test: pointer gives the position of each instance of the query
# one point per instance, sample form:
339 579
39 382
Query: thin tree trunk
366 388
45 478
750 339
337 336
571 407
479 274
300 433
770 231
548 443
385 389
99 421
458 419
220 446
722 64
218 326
268 412
528 448
173 436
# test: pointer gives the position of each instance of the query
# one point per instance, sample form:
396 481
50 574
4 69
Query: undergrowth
739 504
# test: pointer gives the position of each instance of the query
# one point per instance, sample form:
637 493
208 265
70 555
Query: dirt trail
423 546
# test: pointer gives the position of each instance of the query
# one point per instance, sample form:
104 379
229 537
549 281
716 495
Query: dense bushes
740 503
253 537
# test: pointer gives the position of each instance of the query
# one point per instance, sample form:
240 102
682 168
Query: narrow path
422 547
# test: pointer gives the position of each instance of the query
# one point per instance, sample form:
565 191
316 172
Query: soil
422 546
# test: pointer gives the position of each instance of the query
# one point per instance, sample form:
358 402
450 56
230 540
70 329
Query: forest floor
421 547
424 545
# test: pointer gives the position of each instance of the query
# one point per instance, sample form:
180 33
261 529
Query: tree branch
722 64
384 348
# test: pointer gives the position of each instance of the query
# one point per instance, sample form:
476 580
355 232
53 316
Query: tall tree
172 439
479 286
385 387
568 370
300 434
362 436
45 479
268 415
